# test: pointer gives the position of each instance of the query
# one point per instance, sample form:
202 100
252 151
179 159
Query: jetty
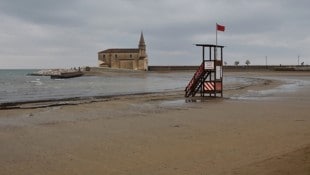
58 73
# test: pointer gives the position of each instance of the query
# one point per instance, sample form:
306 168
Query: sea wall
172 68
233 68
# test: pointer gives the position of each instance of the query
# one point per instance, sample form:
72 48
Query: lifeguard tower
208 79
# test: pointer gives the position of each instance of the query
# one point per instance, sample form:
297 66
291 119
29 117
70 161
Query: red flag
220 28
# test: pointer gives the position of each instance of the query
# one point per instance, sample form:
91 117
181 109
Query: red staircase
196 82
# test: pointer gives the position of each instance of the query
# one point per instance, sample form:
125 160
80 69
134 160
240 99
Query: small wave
37 82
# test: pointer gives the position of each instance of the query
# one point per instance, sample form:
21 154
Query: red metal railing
194 81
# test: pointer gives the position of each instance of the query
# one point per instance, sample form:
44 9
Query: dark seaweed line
65 101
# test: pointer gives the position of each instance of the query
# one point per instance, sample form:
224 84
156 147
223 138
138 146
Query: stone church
122 58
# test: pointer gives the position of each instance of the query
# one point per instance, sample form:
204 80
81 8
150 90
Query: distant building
122 58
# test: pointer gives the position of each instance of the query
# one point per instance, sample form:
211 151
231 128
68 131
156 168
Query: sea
17 86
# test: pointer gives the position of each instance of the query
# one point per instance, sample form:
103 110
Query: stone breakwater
50 72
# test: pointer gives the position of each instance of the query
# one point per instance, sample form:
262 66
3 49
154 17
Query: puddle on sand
173 103
290 87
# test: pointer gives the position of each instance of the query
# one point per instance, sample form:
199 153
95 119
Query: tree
237 63
225 63
247 62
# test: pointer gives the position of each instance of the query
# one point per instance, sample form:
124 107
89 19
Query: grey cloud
54 12
75 30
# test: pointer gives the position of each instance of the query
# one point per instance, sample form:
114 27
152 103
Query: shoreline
74 100
32 104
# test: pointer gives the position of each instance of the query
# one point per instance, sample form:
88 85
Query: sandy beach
258 129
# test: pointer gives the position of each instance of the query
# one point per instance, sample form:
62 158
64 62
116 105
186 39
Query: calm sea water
17 86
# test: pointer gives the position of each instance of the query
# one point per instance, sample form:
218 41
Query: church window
103 56
130 56
115 55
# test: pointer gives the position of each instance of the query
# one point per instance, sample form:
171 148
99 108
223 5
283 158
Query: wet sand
162 134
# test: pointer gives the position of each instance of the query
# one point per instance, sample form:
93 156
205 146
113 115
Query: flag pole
216 34
216 41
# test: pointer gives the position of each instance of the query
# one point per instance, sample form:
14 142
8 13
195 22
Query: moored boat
63 75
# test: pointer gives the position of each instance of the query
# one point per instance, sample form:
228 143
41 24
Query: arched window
115 55
130 55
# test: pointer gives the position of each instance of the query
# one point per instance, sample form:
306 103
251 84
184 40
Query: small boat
63 75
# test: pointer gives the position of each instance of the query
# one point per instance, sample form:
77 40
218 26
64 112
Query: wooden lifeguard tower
208 79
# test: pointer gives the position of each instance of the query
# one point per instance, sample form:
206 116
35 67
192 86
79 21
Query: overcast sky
68 33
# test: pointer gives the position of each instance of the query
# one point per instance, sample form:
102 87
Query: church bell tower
142 47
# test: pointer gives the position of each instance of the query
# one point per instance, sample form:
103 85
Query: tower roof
141 42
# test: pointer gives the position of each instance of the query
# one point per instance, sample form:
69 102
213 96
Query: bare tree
247 62
237 63
225 63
